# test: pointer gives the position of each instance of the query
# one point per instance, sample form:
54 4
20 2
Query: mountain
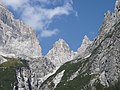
60 53
95 65
21 60
99 68
22 66
16 38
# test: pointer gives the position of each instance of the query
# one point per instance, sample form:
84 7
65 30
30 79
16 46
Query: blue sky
67 19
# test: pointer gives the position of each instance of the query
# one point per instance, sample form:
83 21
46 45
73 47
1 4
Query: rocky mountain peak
60 53
61 43
85 43
86 40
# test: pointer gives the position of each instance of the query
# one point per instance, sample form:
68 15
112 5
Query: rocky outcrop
16 37
60 53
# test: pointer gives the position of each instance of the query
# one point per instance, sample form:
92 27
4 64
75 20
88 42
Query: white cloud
15 3
63 10
40 17
49 33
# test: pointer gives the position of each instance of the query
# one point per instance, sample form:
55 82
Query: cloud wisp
40 13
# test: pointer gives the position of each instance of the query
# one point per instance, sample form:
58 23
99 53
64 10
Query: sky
66 19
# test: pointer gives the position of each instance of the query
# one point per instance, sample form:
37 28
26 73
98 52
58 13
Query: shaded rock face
60 53
106 58
32 77
40 69
23 79
99 69
16 37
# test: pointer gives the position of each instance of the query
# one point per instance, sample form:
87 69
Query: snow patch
7 55
46 76
87 56
58 78
74 75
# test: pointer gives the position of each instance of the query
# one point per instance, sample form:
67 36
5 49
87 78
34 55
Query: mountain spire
85 43
60 53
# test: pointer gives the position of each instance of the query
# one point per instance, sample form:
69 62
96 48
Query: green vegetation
7 78
8 72
14 63
70 68
78 82
111 87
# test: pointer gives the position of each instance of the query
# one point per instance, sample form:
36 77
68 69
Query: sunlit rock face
16 37
85 43
60 53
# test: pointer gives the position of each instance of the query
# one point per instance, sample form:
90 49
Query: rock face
23 79
16 37
85 43
60 53
41 69
99 69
